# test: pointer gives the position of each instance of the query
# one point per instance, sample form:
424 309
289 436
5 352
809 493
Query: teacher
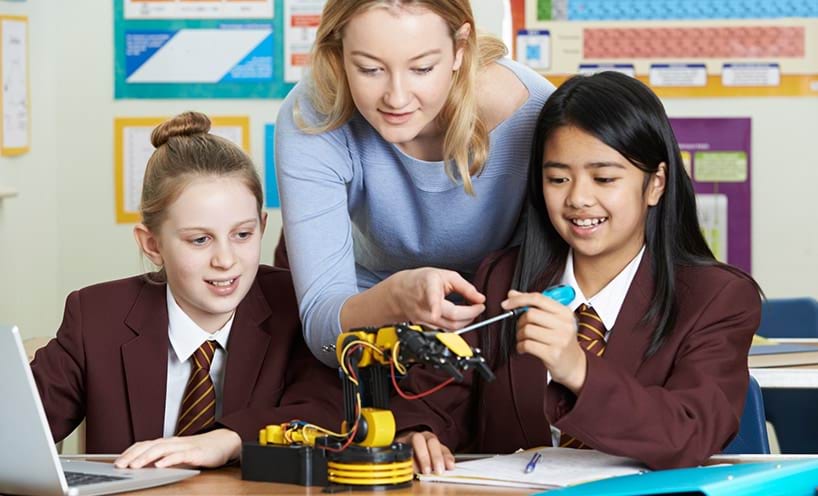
401 161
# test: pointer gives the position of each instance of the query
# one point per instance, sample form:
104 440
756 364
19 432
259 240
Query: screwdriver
561 293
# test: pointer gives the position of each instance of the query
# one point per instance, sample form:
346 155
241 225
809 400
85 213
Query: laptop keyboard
81 479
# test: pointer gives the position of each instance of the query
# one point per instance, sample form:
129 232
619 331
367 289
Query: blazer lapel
630 337
247 349
146 363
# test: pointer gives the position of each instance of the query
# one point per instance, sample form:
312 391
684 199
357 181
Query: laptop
28 458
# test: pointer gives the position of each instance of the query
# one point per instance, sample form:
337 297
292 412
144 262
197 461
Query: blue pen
562 294
532 464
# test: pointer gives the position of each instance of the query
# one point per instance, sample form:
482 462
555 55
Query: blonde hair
466 139
185 150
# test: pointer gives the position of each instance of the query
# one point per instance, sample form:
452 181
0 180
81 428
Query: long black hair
626 115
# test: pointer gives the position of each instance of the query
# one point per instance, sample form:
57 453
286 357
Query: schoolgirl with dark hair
650 359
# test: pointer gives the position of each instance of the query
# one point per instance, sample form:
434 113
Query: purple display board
717 155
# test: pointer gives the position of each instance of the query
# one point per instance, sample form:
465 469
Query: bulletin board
203 49
717 155
692 48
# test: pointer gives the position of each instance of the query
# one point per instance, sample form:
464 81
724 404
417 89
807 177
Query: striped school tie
198 410
591 337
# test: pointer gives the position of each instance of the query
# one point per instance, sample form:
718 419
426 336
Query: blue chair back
789 318
792 411
752 429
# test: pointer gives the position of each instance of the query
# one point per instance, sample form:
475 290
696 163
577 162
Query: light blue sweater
357 209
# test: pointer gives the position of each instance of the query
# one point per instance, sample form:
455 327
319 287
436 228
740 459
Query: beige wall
29 240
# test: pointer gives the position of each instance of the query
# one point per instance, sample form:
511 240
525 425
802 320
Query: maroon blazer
674 409
108 364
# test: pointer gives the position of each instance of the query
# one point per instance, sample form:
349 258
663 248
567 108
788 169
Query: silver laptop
28 458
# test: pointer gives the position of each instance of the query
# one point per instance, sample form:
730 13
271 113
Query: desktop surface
228 481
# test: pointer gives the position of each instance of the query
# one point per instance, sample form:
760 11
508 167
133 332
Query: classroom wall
93 247
29 241
60 233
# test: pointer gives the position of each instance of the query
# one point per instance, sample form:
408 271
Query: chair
752 429
792 411
789 318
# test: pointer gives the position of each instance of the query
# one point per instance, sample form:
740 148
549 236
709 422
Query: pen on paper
532 464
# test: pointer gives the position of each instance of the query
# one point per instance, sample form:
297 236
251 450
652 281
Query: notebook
782 355
558 467
28 457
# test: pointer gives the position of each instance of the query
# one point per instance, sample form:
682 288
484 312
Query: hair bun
186 124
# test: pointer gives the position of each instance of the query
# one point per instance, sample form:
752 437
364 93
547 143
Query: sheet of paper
15 103
559 467
200 9
133 148
301 19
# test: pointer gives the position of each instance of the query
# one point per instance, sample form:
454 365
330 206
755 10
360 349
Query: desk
227 481
792 377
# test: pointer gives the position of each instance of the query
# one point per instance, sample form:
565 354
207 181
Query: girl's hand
429 452
548 331
420 296
212 449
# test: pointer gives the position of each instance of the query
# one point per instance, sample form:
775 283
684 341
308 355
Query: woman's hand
420 297
212 449
428 452
548 331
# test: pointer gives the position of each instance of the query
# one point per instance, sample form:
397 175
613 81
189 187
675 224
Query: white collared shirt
607 302
185 338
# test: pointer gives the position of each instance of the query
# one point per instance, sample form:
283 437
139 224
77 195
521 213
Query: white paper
201 9
198 56
301 19
559 467
712 212
15 84
680 75
751 75
534 48
137 149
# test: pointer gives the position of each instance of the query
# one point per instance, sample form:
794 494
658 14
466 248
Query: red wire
354 429
419 395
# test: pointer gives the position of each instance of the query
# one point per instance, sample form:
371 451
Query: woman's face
400 63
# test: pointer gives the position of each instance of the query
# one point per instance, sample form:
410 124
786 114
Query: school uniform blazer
108 364
673 409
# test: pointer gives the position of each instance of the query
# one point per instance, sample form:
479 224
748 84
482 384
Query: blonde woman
401 163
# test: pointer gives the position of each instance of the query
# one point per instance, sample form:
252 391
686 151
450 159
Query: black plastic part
396 452
303 465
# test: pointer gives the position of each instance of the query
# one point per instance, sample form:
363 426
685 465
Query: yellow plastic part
384 339
370 474
381 427
273 434
302 436
455 343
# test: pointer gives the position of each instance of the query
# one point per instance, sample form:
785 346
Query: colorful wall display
717 155
695 48
203 49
